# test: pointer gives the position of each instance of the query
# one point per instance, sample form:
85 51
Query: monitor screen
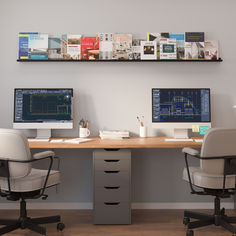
43 105
181 105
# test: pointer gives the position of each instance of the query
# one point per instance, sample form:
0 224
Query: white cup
143 131
84 132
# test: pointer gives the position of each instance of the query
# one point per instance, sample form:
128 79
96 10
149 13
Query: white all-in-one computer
180 109
43 109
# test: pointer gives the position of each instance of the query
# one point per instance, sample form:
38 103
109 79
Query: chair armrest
191 151
41 155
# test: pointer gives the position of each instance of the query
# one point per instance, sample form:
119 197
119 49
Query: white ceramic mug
84 132
143 131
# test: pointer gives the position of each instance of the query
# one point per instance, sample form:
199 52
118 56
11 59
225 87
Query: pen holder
143 131
84 132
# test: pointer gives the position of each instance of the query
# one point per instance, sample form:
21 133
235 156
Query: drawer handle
111 160
111 171
111 203
115 187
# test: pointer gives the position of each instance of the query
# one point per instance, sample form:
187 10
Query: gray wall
111 95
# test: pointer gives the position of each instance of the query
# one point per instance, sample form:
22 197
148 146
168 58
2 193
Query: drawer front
112 194
111 178
110 155
111 164
112 213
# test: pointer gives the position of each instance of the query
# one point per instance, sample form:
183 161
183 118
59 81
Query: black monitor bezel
171 122
35 89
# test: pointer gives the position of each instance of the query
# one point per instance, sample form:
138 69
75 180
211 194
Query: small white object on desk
57 141
178 139
38 139
78 140
143 131
113 134
198 140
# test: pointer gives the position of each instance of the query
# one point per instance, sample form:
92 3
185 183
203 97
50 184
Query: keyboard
178 140
198 140
38 139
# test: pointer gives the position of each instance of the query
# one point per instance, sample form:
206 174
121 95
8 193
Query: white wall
111 95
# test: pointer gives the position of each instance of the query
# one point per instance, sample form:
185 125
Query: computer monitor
43 109
180 109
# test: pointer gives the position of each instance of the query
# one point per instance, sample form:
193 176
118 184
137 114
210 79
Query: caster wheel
186 220
189 232
60 226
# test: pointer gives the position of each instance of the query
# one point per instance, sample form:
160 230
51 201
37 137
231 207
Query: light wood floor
144 223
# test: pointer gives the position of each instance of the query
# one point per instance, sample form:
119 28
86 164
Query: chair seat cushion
34 181
205 180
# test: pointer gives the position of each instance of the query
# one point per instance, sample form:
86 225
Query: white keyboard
198 140
178 140
38 139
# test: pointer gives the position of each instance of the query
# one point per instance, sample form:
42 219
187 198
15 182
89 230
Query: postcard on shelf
194 50
136 48
24 45
64 47
179 45
38 46
165 35
105 46
73 46
155 37
168 48
122 47
194 36
89 48
211 50
194 45
148 50
54 48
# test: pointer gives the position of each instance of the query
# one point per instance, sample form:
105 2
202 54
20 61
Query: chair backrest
14 145
217 142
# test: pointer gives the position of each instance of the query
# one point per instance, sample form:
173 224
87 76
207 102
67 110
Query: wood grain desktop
134 142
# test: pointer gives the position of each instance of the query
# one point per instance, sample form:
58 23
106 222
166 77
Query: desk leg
234 201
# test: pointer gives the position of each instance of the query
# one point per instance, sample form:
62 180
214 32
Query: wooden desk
112 169
134 142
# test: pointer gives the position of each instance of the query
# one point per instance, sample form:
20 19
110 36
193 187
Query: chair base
218 218
25 222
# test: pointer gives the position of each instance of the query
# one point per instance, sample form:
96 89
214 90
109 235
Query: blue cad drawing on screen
181 105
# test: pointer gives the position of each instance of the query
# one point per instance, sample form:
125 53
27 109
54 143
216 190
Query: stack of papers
74 140
114 134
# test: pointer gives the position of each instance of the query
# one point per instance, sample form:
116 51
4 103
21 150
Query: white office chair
19 181
215 176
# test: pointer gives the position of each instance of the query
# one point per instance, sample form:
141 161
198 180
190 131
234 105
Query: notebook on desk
73 140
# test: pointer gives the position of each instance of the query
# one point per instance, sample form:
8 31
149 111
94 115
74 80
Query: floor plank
144 223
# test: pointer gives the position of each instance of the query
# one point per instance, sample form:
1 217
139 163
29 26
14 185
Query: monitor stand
181 133
43 134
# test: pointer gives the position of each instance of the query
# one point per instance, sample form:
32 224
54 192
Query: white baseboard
135 205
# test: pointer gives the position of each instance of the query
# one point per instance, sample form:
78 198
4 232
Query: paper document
195 128
78 140
74 140
57 141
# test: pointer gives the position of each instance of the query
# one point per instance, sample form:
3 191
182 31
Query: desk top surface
133 142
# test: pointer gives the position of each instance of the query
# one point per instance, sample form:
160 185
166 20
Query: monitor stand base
181 133
43 134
